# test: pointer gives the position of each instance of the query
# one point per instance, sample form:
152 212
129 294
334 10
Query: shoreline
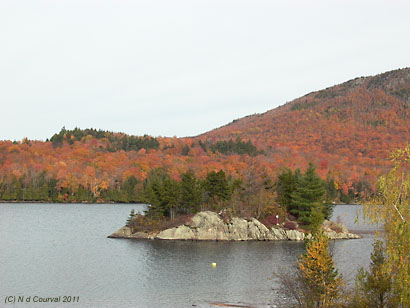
210 226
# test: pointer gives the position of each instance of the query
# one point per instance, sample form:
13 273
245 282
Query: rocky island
210 226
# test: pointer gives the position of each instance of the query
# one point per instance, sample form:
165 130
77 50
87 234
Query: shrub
269 221
290 225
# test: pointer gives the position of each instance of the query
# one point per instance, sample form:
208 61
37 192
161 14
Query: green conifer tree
285 186
190 193
308 198
374 287
130 217
216 185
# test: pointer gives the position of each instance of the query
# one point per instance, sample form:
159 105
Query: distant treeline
231 147
44 189
117 141
158 189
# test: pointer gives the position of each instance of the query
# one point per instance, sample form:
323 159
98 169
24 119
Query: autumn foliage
321 281
390 208
347 131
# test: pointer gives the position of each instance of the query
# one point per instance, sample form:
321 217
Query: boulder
295 235
238 229
341 236
278 234
208 225
205 220
178 233
123 232
258 231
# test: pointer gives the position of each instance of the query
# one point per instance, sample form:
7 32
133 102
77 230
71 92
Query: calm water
50 250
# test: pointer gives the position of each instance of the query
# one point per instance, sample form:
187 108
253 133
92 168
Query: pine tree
374 287
130 217
190 193
216 185
307 202
170 197
153 192
285 186
185 150
128 188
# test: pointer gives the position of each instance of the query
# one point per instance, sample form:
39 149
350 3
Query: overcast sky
181 68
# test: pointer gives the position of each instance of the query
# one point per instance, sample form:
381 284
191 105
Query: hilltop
349 128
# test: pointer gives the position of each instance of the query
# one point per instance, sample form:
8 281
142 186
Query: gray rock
295 235
341 236
205 220
333 235
167 234
178 233
258 231
139 235
208 225
123 232
278 234
238 229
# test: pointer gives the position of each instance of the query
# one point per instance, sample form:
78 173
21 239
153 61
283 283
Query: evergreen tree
190 193
374 287
162 193
216 185
153 191
170 197
285 186
130 217
185 150
203 145
231 147
128 186
308 199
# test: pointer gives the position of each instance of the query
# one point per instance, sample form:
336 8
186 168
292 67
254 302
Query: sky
181 68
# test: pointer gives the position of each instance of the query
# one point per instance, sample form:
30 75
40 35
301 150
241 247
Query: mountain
354 125
347 131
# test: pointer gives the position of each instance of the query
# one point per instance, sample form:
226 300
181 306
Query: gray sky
181 68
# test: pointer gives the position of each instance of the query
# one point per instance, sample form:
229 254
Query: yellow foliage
391 209
318 272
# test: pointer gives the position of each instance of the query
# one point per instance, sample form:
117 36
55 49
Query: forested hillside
347 131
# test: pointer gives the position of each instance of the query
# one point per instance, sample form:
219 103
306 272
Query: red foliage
270 221
290 225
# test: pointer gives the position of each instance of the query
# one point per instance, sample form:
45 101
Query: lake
57 250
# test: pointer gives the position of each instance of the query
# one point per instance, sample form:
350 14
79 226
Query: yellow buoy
213 264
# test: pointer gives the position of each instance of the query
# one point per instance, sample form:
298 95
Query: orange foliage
347 131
